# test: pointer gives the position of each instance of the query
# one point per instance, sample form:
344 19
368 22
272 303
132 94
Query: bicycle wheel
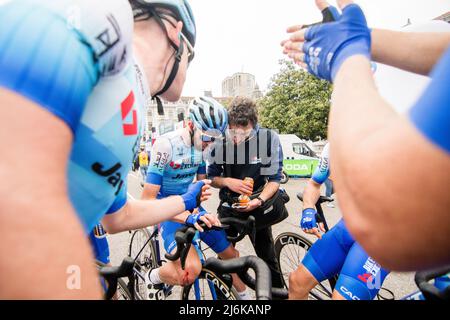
146 260
122 292
210 285
290 249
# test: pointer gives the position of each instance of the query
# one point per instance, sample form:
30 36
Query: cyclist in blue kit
176 160
382 159
73 91
360 277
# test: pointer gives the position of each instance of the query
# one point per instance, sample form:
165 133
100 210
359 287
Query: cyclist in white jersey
177 159
73 92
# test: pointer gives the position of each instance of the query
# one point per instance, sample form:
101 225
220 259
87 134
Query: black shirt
260 157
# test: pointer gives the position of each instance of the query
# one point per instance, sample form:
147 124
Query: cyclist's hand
201 215
196 193
206 193
292 48
309 223
327 46
238 186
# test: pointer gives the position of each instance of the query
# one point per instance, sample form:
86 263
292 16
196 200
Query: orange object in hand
243 199
249 182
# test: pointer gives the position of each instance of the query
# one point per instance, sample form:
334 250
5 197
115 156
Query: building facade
241 84
444 17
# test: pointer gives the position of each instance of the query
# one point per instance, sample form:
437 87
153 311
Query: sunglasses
190 48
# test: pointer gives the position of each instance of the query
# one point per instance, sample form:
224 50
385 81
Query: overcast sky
244 35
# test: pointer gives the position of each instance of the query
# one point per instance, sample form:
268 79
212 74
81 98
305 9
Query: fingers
298 36
294 28
294 46
245 189
297 57
197 226
322 227
205 219
205 193
207 182
322 4
343 3
316 232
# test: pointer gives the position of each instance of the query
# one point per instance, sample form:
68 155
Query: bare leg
301 282
231 253
337 296
171 273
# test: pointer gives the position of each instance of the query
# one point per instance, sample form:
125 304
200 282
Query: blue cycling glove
194 218
328 45
308 220
192 196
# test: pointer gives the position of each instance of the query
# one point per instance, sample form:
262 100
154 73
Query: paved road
399 283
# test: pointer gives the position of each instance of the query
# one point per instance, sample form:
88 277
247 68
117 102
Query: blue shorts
99 244
216 240
360 277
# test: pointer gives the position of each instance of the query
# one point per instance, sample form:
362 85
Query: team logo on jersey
113 175
129 129
175 165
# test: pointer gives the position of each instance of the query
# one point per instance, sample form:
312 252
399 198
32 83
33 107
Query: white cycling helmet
208 115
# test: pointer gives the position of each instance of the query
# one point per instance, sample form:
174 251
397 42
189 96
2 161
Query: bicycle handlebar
183 238
243 227
263 283
186 234
113 274
430 292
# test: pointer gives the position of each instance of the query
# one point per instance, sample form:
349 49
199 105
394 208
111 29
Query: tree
297 103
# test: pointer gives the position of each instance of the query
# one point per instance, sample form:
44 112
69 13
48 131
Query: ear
174 33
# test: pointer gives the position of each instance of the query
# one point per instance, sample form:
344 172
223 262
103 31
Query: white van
299 159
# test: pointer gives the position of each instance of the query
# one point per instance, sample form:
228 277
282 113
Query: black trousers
264 246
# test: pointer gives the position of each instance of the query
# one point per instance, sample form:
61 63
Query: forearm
181 218
269 190
358 112
137 214
412 51
311 195
219 182
376 176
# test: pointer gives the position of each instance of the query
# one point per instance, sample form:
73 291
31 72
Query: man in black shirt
250 151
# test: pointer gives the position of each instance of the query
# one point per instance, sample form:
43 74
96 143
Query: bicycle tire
321 292
284 177
146 261
222 289
122 293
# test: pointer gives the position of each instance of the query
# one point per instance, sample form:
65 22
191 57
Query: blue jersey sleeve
44 60
202 168
120 200
322 172
431 114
